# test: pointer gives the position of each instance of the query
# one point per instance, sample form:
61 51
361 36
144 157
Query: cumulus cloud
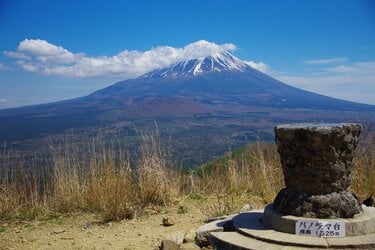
262 67
36 55
3 67
47 52
16 55
328 60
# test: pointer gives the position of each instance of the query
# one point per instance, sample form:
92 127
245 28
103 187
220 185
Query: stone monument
316 209
317 162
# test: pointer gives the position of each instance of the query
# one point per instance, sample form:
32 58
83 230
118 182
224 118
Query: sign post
320 228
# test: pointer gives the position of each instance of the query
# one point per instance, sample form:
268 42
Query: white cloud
228 46
351 81
43 57
203 48
4 67
16 55
262 67
337 77
3 101
355 68
328 60
46 52
27 66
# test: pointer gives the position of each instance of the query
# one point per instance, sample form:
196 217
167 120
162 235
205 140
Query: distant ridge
202 106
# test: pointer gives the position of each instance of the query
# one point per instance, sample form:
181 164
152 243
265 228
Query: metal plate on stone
320 228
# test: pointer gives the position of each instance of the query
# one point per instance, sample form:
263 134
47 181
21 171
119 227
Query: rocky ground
85 231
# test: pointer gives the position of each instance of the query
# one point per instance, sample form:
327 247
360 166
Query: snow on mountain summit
204 57
219 60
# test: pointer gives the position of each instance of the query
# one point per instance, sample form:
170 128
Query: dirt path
69 233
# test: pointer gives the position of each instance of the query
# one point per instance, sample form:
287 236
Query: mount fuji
221 77
203 106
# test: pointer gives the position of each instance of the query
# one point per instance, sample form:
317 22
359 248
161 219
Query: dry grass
98 177
251 173
363 176
22 189
256 175
91 177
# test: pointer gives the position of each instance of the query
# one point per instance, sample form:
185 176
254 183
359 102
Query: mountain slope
223 77
202 106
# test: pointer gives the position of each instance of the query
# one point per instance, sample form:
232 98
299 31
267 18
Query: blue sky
54 50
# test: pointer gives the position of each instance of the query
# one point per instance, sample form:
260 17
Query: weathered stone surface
189 246
317 158
317 162
252 233
203 231
341 205
173 241
177 237
360 224
237 241
211 219
190 236
169 245
167 222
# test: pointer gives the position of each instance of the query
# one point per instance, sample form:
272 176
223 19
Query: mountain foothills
203 107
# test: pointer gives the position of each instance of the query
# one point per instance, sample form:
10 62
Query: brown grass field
103 181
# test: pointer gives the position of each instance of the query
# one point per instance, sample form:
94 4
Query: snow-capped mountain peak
216 62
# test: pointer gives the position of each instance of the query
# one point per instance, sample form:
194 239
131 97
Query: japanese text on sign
320 228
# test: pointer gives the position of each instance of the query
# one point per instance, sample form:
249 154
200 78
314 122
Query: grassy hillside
103 180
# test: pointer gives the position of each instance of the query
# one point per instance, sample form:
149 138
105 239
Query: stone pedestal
317 162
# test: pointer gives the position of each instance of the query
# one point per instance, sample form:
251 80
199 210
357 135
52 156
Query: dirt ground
85 232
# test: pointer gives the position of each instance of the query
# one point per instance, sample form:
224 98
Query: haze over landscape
56 51
127 124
